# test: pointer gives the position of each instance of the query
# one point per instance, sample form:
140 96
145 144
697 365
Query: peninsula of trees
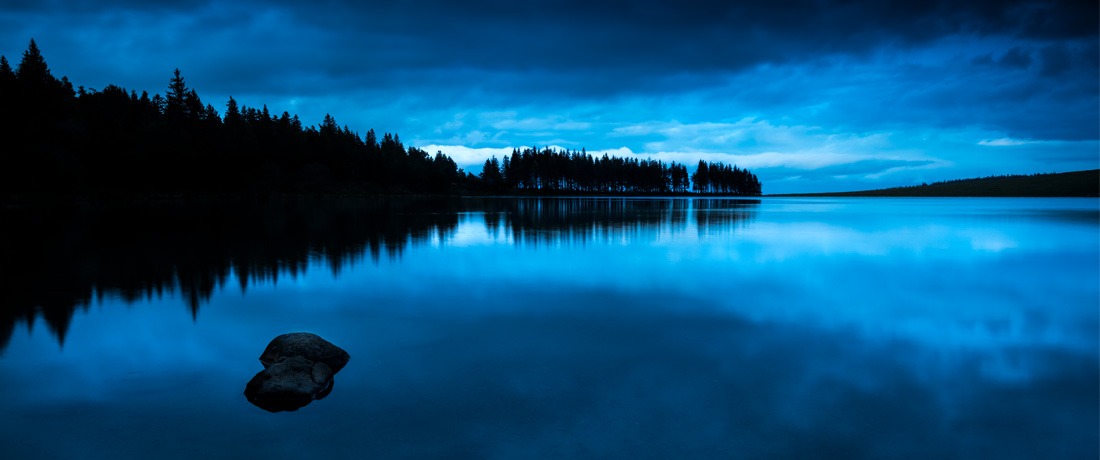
63 140
553 171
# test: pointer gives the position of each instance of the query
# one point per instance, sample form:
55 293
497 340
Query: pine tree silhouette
7 75
33 70
175 104
115 142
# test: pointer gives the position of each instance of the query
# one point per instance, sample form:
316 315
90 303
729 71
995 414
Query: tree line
550 170
75 140
725 179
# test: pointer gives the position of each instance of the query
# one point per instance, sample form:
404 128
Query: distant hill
1070 184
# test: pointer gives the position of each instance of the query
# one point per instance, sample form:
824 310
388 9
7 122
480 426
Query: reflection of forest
54 259
549 220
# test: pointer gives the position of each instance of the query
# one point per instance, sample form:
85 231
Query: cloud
808 168
750 136
809 171
1016 57
839 83
1004 141
1056 60
608 47
467 157
549 123
870 168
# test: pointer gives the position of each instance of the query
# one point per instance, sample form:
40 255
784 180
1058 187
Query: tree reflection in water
56 259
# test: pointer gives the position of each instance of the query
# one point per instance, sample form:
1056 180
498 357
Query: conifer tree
193 106
490 174
701 178
67 87
33 69
233 116
7 75
328 126
210 114
175 104
371 141
158 103
7 79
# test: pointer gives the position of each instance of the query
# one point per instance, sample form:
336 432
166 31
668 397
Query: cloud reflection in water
875 329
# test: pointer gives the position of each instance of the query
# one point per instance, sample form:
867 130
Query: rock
289 378
306 345
298 368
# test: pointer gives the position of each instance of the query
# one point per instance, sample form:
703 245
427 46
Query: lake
545 328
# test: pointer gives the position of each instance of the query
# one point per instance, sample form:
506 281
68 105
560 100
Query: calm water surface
517 328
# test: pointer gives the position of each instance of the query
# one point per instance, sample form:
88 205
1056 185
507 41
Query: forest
66 140
549 170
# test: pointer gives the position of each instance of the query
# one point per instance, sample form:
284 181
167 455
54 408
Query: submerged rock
298 368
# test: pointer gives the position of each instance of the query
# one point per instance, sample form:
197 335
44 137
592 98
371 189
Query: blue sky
821 95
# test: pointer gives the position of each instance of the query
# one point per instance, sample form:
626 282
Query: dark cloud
1016 57
1056 60
613 46
1059 19
101 6
649 36
1021 69
644 38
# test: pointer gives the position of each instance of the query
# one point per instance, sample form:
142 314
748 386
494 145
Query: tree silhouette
175 106
33 70
7 75
491 177
8 84
113 142
536 171
232 113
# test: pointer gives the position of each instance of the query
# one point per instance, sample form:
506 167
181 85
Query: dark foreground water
518 328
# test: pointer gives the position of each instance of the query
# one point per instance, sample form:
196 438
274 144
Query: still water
548 328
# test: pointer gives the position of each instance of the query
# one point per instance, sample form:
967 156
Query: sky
810 95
